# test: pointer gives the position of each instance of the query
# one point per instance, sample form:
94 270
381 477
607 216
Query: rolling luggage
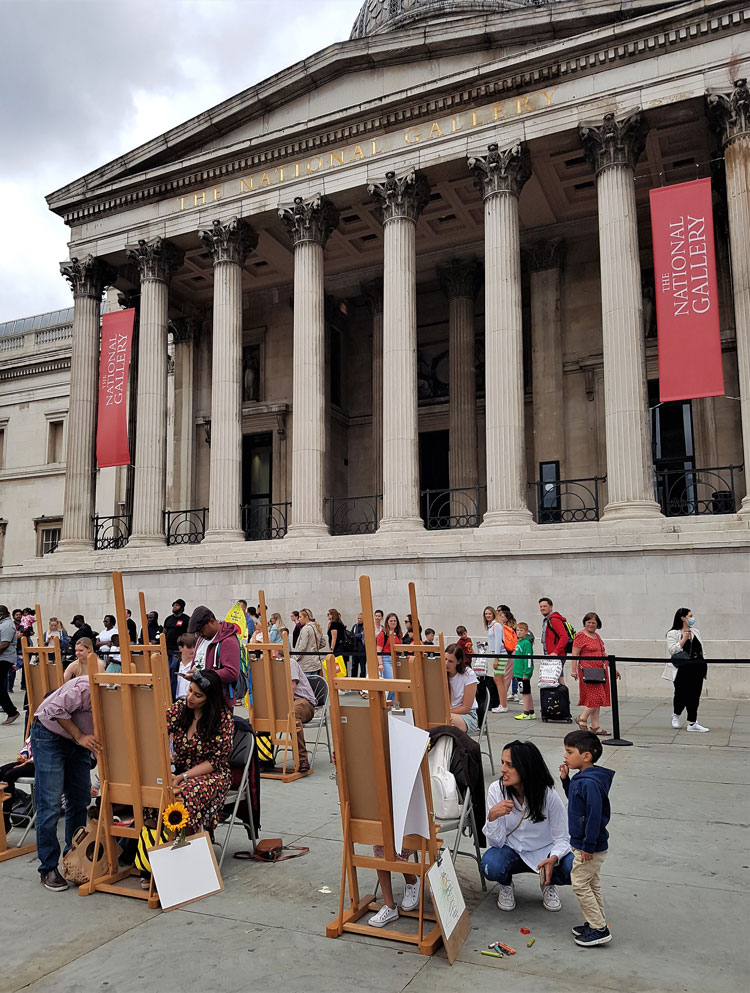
555 704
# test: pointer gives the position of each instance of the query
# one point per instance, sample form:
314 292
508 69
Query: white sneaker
675 721
384 916
499 710
695 726
506 898
411 896
550 898
513 697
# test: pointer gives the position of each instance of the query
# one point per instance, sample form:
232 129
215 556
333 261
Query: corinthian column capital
155 259
501 170
184 329
88 276
614 142
544 255
729 113
460 279
310 220
230 242
400 196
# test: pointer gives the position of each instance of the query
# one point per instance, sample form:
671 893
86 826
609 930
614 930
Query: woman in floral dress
589 653
202 733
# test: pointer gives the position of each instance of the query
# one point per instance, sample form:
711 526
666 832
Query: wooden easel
42 667
272 709
5 851
360 737
129 711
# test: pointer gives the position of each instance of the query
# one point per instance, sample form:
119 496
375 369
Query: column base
743 513
307 531
74 545
147 540
632 510
223 535
522 517
401 524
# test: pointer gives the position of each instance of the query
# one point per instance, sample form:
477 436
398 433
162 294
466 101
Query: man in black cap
83 630
218 648
174 625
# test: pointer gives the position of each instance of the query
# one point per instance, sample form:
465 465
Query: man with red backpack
557 638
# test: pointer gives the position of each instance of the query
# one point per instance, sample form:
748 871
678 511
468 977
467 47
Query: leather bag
79 861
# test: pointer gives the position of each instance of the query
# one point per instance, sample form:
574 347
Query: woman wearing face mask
686 652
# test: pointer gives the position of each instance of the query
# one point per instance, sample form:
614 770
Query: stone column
460 282
87 278
500 177
374 293
400 201
309 224
157 261
544 263
229 243
613 148
184 332
729 113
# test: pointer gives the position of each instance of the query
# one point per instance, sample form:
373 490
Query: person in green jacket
523 667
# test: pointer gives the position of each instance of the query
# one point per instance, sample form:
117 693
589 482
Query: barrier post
615 739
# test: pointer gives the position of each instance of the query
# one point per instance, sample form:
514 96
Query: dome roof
378 16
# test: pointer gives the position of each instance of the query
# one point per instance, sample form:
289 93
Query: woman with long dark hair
390 635
685 650
202 733
527 827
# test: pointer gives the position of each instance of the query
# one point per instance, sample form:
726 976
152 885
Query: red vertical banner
687 302
112 446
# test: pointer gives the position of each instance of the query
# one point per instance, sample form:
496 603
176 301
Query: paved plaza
675 886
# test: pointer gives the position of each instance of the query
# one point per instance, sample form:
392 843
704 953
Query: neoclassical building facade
395 314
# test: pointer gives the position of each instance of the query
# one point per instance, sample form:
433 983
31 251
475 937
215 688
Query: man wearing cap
218 648
83 630
175 625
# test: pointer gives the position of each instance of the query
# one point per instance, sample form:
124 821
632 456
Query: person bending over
526 829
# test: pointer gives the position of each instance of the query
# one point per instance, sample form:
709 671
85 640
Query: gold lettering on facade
473 118
266 180
455 124
182 203
435 131
337 158
317 167
200 199
217 193
497 111
375 146
548 95
358 153
247 183
522 105
415 136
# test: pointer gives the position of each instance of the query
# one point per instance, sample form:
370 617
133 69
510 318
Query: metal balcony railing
452 508
568 501
354 515
185 527
112 532
682 491
264 521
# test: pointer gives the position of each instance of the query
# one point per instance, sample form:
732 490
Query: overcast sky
83 81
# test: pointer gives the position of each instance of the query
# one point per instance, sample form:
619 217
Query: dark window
550 506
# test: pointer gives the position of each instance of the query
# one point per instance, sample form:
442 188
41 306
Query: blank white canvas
407 747
183 874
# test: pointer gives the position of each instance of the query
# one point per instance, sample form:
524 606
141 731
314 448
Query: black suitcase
555 704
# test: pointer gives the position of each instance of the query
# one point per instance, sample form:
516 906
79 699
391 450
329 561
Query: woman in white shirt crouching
527 827
462 683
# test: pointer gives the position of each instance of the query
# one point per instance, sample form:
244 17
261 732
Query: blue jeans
60 767
501 864
387 661
174 668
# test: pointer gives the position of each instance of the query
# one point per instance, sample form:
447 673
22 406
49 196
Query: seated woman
79 666
462 682
527 827
202 733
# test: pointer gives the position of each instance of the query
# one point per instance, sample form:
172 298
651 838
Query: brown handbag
78 862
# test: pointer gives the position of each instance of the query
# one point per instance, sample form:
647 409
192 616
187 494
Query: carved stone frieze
729 113
544 255
88 276
460 279
614 142
155 259
400 196
310 220
501 170
230 242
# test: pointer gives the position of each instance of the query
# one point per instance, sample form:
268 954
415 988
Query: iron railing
567 501
457 508
683 491
354 515
264 521
185 527
112 532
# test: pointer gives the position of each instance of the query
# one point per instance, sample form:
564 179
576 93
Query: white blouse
533 842
675 637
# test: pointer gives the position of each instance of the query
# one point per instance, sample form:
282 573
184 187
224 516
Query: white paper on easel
447 898
407 748
185 874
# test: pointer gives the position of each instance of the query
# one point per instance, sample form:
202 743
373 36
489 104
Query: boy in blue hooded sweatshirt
588 816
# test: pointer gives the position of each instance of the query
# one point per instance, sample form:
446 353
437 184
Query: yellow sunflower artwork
175 817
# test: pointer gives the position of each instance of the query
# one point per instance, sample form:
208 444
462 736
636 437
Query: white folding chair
484 732
320 718
459 825
239 793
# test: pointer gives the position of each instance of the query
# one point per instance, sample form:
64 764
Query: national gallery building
395 314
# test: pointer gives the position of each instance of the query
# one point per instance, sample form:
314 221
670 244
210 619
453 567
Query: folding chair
240 790
484 731
459 825
30 821
320 719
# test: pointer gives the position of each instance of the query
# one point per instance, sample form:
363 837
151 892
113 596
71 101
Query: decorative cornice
460 279
501 170
729 113
88 276
310 220
156 259
373 293
615 142
34 369
400 196
230 242
184 329
544 255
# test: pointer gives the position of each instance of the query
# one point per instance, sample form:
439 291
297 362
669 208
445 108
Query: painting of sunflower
175 817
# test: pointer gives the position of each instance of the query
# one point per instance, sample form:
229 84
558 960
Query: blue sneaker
580 928
593 936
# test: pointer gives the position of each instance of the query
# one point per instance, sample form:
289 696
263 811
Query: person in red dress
589 652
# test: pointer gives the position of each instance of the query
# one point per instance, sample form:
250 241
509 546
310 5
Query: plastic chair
466 820
484 732
240 791
320 718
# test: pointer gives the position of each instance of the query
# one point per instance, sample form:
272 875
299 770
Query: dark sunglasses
201 682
